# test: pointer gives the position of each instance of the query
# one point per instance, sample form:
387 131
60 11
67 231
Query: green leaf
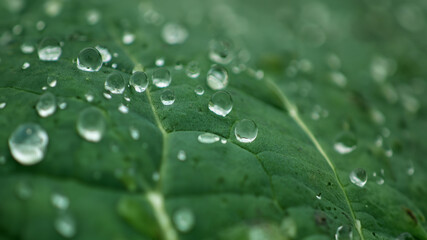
317 71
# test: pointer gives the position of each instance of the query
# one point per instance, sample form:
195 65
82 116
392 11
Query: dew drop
192 69
160 62
345 143
358 177
46 105
62 104
167 97
208 138
28 143
27 48
123 109
134 133
319 196
115 83
51 81
162 77
223 140
89 97
49 49
40 25
139 81
156 176
246 131
221 51
92 17
221 103
107 95
344 233
174 33
105 54
184 219
199 90
60 201
2 105
217 77
182 156
89 60
91 124
65 225
128 38
26 65
2 160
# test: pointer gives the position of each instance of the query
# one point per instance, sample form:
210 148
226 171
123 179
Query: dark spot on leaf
411 215
320 219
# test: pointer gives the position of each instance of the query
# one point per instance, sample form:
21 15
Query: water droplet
193 69
114 65
184 219
89 60
160 62
217 77
2 160
345 143
91 124
25 65
221 51
134 133
105 54
17 29
199 90
123 109
208 138
139 81
51 81
358 177
2 105
223 140
221 103
65 225
62 104
89 96
179 65
40 25
167 97
27 48
174 33
115 83
162 77
60 201
246 131
319 196
93 16
107 95
339 79
49 49
182 156
156 176
28 143
46 105
128 38
344 233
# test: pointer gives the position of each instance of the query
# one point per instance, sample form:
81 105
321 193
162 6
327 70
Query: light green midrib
293 112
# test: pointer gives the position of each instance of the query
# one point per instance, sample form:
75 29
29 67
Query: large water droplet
115 83
208 138
105 54
221 103
246 131
65 225
182 156
162 77
89 60
139 81
344 233
174 33
217 77
192 69
184 219
221 51
91 124
49 49
345 142
46 105
28 143
60 201
167 97
359 177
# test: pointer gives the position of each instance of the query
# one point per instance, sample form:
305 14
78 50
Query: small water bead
115 83
139 81
40 25
160 62
193 69
107 95
46 105
62 104
51 81
174 33
123 108
179 65
338 78
344 233
246 131
17 29
105 54
221 103
221 51
161 77
167 97
156 176
25 65
60 201
223 140
2 160
128 38
65 225
199 90
49 49
44 88
134 133
319 196
93 16
217 77
184 219
91 124
182 156
114 65
208 138
27 48
358 177
89 97
345 143
2 105
89 60
28 143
